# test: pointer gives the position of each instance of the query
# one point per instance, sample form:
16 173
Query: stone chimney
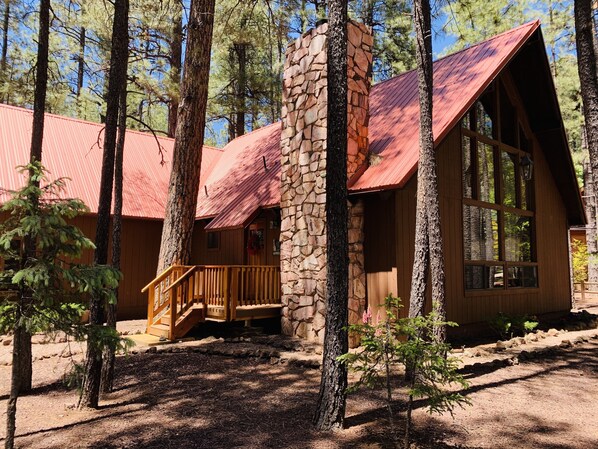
303 148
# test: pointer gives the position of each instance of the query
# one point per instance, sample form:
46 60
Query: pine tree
428 247
40 301
586 65
175 246
117 80
330 410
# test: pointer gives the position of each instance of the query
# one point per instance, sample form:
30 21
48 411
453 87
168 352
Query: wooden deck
221 293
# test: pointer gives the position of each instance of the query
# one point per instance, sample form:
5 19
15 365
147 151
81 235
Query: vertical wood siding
553 294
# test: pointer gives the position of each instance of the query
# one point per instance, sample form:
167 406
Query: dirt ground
196 400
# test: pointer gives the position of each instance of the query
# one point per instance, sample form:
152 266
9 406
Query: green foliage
509 326
46 283
392 27
393 342
579 257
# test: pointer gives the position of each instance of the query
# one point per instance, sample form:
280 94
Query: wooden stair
194 315
184 295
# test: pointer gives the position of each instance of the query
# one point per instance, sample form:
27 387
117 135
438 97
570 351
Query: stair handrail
181 279
161 277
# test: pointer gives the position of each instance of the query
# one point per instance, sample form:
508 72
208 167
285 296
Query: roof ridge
530 24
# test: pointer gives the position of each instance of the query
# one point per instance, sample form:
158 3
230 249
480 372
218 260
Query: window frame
498 147
216 235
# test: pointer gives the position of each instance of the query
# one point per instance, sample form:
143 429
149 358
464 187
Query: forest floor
261 394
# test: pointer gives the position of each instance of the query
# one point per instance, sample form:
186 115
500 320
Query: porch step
159 330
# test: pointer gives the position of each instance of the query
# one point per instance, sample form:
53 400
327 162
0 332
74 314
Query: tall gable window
498 217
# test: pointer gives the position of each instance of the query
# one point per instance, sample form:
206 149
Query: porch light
527 167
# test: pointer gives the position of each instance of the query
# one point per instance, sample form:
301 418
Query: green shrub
509 326
392 342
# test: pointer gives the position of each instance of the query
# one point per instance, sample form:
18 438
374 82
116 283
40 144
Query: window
498 217
213 240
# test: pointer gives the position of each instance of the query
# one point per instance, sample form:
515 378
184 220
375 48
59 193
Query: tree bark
241 103
179 219
586 66
81 62
3 58
330 410
108 357
117 77
176 52
427 160
21 372
590 206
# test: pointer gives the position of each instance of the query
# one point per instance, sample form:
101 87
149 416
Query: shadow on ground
191 400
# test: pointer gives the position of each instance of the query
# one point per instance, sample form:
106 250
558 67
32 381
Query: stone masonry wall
303 148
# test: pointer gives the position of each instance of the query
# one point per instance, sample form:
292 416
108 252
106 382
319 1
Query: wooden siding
139 259
381 248
232 249
553 294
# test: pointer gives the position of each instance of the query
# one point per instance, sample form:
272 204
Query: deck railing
585 287
223 290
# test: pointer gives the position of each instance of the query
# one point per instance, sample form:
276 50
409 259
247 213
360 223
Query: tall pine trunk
586 66
116 79
427 160
21 371
330 411
241 101
81 61
109 356
175 59
428 238
177 232
3 58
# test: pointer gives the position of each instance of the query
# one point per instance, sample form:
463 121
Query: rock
520 340
151 350
552 332
565 344
502 345
524 355
512 361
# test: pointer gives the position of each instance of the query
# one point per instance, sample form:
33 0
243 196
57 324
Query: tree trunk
427 159
241 103
590 206
176 52
330 410
81 62
586 66
21 372
177 232
117 77
3 58
108 358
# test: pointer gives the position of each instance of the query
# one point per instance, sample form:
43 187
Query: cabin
508 194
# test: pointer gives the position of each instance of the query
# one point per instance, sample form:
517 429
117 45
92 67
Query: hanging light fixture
527 167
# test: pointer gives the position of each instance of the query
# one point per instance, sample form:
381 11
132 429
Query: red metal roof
236 181
458 81
246 178
70 149
239 186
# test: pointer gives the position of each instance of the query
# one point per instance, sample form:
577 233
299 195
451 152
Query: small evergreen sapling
45 288
392 343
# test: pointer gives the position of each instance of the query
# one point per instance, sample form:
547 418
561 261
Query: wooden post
172 302
583 291
226 293
234 292
150 307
